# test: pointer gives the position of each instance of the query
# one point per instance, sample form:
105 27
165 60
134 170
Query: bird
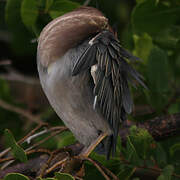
85 74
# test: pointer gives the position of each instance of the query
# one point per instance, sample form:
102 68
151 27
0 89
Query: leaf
15 176
92 172
139 1
152 17
67 138
143 45
174 149
142 142
167 173
157 70
29 13
168 38
63 176
131 153
21 37
4 90
157 74
17 151
60 7
160 155
12 14
174 108
161 177
48 4
119 145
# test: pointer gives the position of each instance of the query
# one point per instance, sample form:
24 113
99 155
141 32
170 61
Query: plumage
111 87
87 84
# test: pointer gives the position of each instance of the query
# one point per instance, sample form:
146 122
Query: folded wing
106 60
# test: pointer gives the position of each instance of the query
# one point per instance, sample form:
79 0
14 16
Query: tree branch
159 127
20 111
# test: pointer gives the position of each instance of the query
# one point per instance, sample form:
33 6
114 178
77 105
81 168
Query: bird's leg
92 146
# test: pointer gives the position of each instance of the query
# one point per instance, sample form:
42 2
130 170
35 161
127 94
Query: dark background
150 29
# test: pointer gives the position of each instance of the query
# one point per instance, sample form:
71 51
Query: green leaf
15 176
167 173
29 13
157 74
17 151
158 71
119 145
66 138
174 149
143 46
131 153
60 7
160 155
63 176
152 17
161 177
139 1
48 4
168 38
142 142
174 108
12 14
4 90
21 37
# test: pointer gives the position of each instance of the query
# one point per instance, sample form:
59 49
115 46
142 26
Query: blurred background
150 29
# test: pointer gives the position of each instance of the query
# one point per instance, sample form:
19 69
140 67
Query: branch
14 75
159 127
34 166
20 111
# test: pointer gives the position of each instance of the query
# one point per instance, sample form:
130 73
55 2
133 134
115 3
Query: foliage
151 32
17 151
140 151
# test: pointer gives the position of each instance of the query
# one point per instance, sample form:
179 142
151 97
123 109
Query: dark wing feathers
86 60
112 76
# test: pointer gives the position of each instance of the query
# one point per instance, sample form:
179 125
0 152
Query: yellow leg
92 146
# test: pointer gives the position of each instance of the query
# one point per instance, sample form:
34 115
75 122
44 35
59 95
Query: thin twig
41 150
78 178
5 62
98 167
28 140
158 170
6 159
109 172
57 129
45 139
20 111
46 165
27 153
23 139
56 165
14 75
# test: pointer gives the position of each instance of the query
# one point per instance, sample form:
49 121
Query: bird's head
65 32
